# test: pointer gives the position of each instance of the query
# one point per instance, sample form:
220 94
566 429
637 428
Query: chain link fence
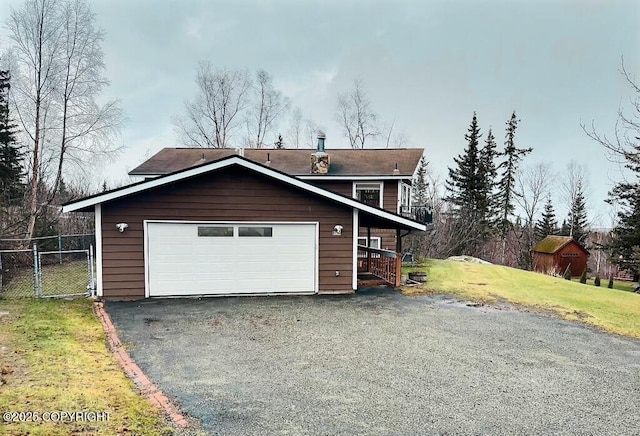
17 273
56 266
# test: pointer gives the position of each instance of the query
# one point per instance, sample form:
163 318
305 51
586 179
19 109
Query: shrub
567 274
596 282
610 285
583 277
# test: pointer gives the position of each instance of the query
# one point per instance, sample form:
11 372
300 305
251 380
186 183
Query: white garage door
238 258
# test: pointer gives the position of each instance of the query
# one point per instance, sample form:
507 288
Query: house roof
87 203
552 244
344 162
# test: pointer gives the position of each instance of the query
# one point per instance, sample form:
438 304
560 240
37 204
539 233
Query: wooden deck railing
382 263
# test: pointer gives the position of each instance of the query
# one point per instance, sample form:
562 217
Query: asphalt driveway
381 363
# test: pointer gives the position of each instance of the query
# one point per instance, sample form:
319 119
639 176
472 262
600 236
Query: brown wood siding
227 195
344 187
389 203
390 196
387 237
569 255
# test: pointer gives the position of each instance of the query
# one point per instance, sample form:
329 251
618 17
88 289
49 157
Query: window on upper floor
405 197
369 193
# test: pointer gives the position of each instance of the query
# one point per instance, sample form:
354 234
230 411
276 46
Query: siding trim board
172 178
356 226
97 216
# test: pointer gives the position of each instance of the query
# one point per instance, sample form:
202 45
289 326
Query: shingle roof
344 162
552 244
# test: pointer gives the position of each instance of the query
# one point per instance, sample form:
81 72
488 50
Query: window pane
369 196
374 242
215 231
406 195
266 232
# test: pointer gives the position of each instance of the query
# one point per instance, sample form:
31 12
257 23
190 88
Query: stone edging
133 371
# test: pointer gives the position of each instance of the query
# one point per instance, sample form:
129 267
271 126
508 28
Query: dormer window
369 193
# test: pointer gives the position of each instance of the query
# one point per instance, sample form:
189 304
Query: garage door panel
180 262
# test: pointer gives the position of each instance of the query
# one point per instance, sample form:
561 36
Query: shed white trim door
185 258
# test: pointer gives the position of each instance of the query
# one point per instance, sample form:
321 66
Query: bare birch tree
311 129
532 187
268 105
393 137
356 117
216 112
57 64
295 132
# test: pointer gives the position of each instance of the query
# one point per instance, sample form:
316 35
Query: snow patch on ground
468 259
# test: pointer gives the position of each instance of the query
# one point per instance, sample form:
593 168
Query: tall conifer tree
420 184
547 224
577 220
488 174
464 180
512 157
465 191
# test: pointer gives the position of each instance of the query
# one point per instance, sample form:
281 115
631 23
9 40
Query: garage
217 258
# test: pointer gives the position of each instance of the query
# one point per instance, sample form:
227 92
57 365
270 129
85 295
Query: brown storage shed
554 254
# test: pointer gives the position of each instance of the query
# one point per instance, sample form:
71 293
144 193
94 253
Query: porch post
368 246
398 242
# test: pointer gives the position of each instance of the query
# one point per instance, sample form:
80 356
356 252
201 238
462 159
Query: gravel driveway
381 363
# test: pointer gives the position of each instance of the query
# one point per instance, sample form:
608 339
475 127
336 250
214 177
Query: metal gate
64 273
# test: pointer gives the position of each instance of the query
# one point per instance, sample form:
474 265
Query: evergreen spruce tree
11 171
547 224
577 220
279 144
583 277
465 193
464 180
420 184
509 166
488 173
565 229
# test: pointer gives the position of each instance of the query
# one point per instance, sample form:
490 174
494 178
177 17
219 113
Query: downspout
399 237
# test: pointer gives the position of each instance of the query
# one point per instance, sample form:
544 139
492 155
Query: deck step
371 283
366 280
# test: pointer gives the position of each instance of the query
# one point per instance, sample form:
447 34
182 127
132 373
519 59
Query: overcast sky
427 64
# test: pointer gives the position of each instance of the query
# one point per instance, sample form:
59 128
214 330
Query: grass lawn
614 310
53 357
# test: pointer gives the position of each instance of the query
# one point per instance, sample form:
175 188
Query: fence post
36 272
60 247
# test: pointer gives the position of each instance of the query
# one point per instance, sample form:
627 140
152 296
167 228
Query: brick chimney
320 162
